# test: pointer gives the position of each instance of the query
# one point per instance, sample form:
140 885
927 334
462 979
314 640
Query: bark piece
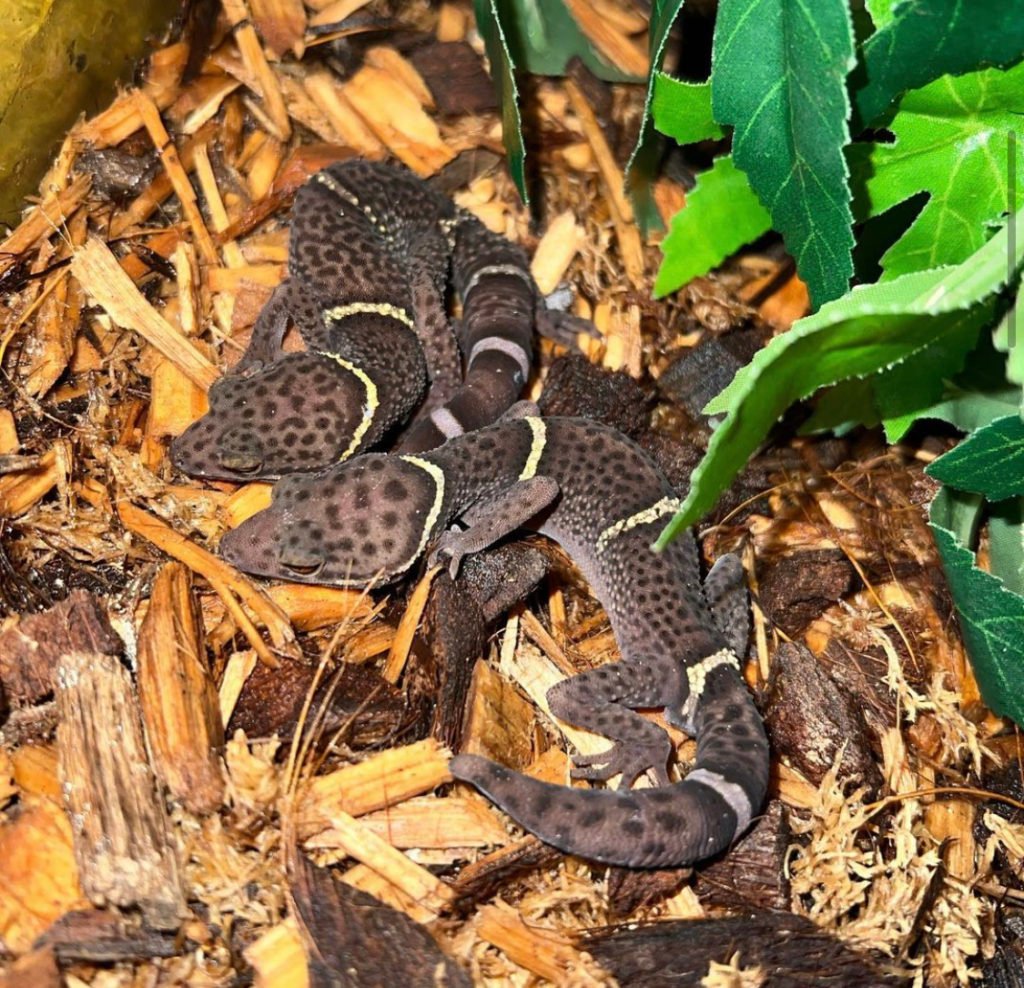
103 937
368 707
121 831
796 589
789 949
486 876
575 386
354 939
32 646
456 77
179 701
810 717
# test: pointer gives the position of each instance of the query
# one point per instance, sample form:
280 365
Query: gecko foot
450 549
629 759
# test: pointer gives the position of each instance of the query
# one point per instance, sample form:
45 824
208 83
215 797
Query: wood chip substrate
207 779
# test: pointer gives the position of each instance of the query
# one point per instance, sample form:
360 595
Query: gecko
369 255
596 493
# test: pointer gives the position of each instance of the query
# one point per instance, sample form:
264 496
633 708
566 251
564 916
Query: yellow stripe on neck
437 475
370 404
539 432
340 312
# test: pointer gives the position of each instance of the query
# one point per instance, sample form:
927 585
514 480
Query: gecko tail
667 827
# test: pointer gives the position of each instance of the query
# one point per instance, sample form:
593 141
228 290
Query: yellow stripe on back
668 505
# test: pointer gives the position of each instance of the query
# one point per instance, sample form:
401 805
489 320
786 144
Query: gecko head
303 412
358 523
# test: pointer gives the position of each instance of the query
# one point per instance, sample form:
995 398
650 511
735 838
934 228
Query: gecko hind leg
604 701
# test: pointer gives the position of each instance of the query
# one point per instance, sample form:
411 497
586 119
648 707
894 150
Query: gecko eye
240 463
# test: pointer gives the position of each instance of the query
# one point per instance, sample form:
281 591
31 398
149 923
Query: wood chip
428 822
626 231
278 957
121 837
256 61
394 114
179 701
608 36
230 585
377 782
43 221
37 873
544 952
431 895
399 652
562 241
176 173
105 281
24 488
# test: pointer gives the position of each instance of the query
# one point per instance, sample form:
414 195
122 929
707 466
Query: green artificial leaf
905 392
952 142
779 77
682 110
542 36
977 395
643 162
1006 339
989 461
1006 543
920 40
842 407
991 616
489 24
880 11
721 214
872 328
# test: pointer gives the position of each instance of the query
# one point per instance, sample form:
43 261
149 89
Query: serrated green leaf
873 327
489 24
951 141
721 214
682 110
989 461
991 617
779 77
1006 543
920 40
643 162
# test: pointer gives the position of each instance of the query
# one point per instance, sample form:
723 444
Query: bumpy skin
604 501
368 263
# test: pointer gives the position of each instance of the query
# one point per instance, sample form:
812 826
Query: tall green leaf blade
951 141
682 110
721 214
989 461
873 327
779 77
991 617
925 39
643 162
542 36
503 70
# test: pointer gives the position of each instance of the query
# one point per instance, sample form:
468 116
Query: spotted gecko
596 493
369 253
